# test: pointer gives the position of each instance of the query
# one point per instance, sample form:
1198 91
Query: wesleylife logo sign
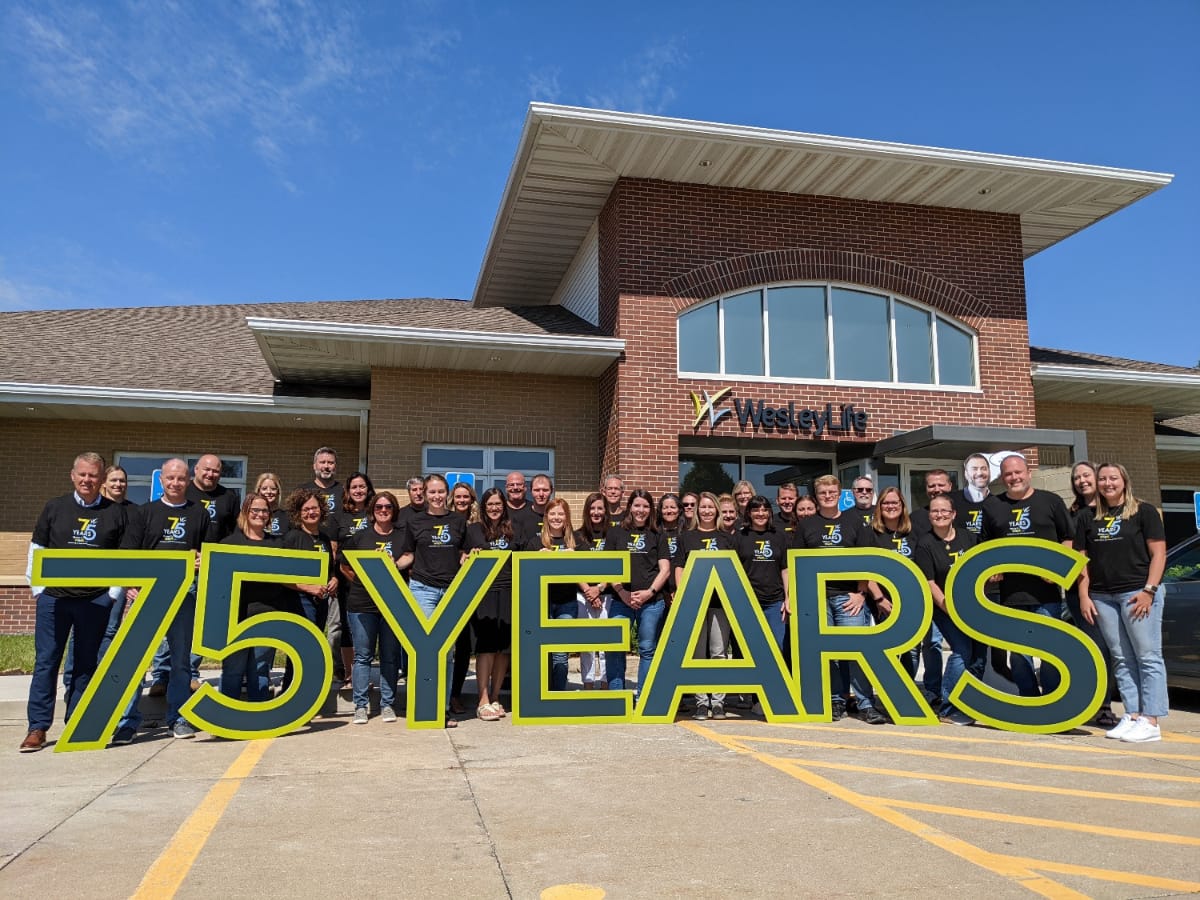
758 415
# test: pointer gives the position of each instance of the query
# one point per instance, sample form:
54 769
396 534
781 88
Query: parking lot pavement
696 809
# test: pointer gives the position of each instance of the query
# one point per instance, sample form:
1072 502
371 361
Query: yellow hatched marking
173 864
1000 865
966 757
936 734
993 816
1019 869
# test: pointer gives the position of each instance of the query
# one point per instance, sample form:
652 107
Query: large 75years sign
796 689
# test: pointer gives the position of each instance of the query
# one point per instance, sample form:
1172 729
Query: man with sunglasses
864 498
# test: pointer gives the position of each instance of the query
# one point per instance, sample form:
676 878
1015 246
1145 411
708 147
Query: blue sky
170 152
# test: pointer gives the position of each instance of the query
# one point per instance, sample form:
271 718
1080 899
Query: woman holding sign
706 534
594 600
557 536
493 616
1121 590
641 599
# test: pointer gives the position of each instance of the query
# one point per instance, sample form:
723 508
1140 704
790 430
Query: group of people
1117 603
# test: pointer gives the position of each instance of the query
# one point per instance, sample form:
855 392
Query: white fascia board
1177 442
87 395
571 115
438 337
1049 373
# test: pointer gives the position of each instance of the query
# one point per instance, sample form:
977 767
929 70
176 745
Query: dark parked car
1181 615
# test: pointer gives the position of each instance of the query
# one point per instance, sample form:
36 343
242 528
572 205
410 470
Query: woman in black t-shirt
1121 590
670 524
937 554
433 547
254 598
306 512
713 642
557 536
493 616
641 599
763 552
367 624
353 516
594 600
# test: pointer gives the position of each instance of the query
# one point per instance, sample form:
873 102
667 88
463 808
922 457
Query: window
1178 512
488 465
825 332
719 472
141 469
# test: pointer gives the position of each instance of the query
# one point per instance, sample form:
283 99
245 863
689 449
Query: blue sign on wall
467 478
156 488
1196 504
846 501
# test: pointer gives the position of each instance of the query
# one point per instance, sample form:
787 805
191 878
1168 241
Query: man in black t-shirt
519 508
613 489
1026 511
541 490
79 520
172 522
324 483
206 489
864 498
416 501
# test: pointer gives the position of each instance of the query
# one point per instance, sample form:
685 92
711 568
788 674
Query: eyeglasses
864 490
941 512
258 512
379 506
686 505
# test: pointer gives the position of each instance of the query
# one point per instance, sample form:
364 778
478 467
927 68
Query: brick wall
412 407
17 609
1181 472
44 450
666 246
1123 434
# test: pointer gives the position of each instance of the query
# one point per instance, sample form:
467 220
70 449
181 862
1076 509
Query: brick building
665 299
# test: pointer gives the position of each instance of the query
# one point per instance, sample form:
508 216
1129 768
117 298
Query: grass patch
16 654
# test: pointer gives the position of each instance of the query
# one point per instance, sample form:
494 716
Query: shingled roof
209 348
1096 361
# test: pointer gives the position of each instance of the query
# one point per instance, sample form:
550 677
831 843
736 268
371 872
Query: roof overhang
568 160
959 441
338 352
1168 394
84 403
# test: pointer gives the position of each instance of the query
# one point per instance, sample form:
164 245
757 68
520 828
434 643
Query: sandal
488 713
451 722
1106 718
499 707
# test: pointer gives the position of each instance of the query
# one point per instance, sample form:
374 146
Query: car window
1184 566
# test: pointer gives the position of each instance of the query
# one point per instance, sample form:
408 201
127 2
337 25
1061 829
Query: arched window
825 332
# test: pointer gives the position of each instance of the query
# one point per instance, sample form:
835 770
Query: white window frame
829 286
489 472
238 484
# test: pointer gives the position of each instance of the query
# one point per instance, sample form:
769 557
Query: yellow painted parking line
1024 871
173 864
990 815
1150 881
988 783
1001 866
967 757
961 736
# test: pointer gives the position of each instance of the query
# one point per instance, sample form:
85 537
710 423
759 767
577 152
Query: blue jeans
1023 673
366 628
966 655
54 620
114 622
929 652
160 667
775 621
253 665
845 672
179 686
559 661
649 626
1136 648
428 597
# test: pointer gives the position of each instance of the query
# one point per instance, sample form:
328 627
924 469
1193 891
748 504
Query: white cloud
544 86
146 79
643 83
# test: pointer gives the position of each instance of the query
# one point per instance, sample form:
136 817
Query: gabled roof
568 160
212 349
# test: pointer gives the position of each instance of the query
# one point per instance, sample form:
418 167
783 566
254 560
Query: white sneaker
1127 722
360 716
1142 732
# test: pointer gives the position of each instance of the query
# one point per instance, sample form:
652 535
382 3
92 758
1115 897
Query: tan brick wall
1184 473
413 407
1123 434
42 451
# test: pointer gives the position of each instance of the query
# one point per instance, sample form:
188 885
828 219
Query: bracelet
1151 589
